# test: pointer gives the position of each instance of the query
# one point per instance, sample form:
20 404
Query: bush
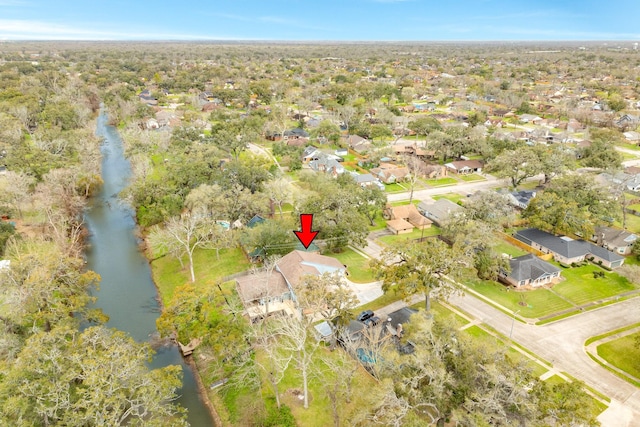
278 417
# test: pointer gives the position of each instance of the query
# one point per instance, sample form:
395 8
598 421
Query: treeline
52 371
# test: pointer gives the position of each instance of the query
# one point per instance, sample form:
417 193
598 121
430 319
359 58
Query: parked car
367 314
372 321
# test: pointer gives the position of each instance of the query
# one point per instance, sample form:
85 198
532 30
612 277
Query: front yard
415 234
357 265
623 354
167 273
580 287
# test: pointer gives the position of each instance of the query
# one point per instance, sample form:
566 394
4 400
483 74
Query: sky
320 20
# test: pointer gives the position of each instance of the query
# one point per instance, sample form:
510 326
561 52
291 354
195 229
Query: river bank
127 293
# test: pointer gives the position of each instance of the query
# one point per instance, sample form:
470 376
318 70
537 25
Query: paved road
461 188
561 343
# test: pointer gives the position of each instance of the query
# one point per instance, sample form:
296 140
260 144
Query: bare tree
337 380
187 232
416 171
279 190
14 190
329 297
274 361
295 337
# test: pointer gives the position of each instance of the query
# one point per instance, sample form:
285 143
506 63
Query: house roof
399 224
364 178
523 196
440 209
301 133
565 246
409 213
297 264
401 316
465 164
261 284
615 236
530 267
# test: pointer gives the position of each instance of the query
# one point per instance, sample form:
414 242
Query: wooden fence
515 242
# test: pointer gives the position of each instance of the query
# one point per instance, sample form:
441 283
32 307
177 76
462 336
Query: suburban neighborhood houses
338 234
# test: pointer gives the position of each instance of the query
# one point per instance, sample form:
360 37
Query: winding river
127 293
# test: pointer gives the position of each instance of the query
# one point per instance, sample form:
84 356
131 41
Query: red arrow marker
305 235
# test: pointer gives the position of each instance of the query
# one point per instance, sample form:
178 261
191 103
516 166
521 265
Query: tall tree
517 165
417 170
187 232
91 378
409 268
329 297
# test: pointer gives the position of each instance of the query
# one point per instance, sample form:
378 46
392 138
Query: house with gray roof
615 239
328 164
529 270
367 180
520 199
566 250
440 211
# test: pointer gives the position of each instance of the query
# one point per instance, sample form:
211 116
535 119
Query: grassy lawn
509 249
380 223
472 177
538 302
454 197
240 402
635 207
623 354
357 265
633 223
384 300
167 273
394 188
441 312
553 380
405 202
630 146
415 234
530 185
580 287
439 182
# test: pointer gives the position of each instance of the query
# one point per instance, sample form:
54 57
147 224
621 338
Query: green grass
539 302
454 197
380 223
386 299
167 273
405 202
509 249
415 234
357 265
608 334
630 146
439 182
478 332
580 287
472 177
394 188
632 222
441 312
553 380
635 207
623 354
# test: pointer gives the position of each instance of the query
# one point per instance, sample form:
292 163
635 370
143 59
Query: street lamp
512 323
